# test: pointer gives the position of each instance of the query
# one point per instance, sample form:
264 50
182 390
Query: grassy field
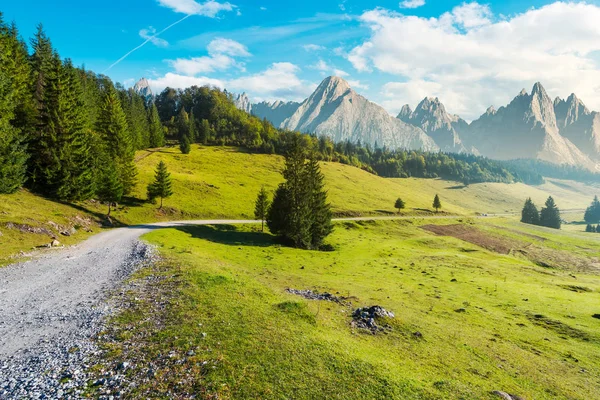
470 319
222 182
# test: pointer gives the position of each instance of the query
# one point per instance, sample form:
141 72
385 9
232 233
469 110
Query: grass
522 328
223 182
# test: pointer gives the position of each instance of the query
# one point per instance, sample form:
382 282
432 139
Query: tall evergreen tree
192 130
183 131
43 141
550 215
112 125
110 188
299 212
13 155
261 207
592 214
530 213
157 132
437 204
320 216
162 186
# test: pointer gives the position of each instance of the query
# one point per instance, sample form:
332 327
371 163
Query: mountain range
532 125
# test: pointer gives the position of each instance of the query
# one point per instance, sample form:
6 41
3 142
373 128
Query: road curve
54 302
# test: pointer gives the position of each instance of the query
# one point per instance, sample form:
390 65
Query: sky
471 55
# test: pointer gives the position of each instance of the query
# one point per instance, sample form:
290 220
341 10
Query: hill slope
222 182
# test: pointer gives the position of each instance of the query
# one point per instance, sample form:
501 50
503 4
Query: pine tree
530 213
192 127
43 139
112 126
157 132
598 228
592 214
13 156
320 216
437 204
205 132
590 228
400 205
261 207
550 215
161 187
110 188
183 131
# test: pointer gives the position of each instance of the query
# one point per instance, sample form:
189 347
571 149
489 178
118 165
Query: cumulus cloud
412 3
222 55
209 8
178 81
150 35
472 59
279 81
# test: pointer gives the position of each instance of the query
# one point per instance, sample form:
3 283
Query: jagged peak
538 88
335 81
523 92
490 111
557 101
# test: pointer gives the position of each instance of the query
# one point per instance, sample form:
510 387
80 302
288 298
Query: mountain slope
337 111
242 102
526 128
578 124
142 87
276 112
431 116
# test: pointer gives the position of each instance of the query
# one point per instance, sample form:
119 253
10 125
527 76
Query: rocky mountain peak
405 113
332 88
142 87
523 93
490 111
242 102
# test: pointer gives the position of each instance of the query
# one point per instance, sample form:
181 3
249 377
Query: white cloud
472 59
149 34
412 3
313 47
340 73
279 81
221 57
228 47
321 66
190 7
358 85
263 9
181 82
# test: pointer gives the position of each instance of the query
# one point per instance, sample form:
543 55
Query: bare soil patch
475 236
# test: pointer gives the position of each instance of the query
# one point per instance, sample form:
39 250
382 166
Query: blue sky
471 55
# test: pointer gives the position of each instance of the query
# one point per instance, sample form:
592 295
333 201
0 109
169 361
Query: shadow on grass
99 216
457 187
229 235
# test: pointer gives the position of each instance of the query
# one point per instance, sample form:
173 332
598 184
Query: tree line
66 132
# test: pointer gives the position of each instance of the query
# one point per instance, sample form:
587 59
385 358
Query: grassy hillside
470 318
222 182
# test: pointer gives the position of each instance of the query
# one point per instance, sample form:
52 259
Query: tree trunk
108 215
262 229
161 200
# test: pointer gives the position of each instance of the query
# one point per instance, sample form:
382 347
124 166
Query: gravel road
51 305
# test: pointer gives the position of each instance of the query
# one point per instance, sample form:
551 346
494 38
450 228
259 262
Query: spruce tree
320 216
112 126
590 228
192 127
183 131
161 187
400 205
261 207
13 156
592 214
598 228
109 188
437 204
530 213
550 215
157 132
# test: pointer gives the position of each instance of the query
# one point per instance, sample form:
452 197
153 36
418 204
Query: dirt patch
558 327
517 232
541 256
475 236
24 228
577 289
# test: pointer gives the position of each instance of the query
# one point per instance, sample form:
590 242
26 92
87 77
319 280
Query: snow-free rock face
337 111
578 124
142 87
431 116
242 102
276 112
526 128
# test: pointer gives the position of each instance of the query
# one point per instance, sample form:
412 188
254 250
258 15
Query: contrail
145 42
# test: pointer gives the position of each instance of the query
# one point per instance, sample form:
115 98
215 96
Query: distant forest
66 131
